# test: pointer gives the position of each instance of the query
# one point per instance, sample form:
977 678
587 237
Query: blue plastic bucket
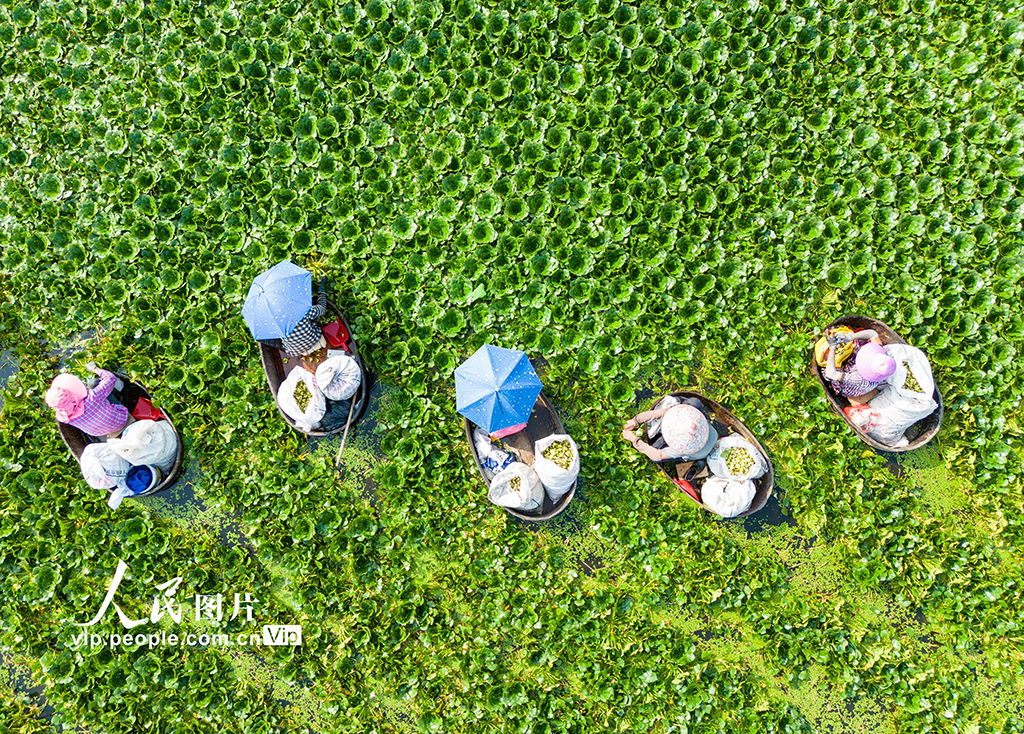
142 478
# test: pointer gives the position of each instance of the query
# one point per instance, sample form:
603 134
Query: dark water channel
8 366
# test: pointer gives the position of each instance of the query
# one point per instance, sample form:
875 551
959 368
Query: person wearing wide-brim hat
686 433
860 377
90 410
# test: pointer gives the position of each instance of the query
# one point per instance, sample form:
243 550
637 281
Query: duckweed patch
302 709
1000 697
942 491
827 710
397 715
816 566
183 505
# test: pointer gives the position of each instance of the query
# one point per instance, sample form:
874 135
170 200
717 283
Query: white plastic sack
902 408
910 359
308 419
872 422
530 495
339 377
556 480
727 498
718 465
654 426
147 442
101 467
492 459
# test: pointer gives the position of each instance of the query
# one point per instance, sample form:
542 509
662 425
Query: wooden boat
725 423
543 422
918 434
76 440
277 365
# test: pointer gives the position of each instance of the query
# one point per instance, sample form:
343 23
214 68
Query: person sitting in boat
306 336
686 433
864 370
90 410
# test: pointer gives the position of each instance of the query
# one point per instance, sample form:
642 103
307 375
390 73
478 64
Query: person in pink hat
860 377
686 433
88 410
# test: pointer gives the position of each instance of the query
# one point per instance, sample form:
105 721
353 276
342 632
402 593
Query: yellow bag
843 351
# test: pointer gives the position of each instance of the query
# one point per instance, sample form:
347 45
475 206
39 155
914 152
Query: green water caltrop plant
644 196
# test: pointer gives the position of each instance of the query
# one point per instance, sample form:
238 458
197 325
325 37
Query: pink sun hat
873 363
685 429
65 396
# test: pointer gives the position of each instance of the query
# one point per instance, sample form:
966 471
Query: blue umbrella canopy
496 388
277 300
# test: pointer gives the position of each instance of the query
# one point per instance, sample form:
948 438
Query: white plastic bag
727 498
556 480
530 495
305 420
913 360
719 466
654 426
492 459
902 408
117 496
147 442
339 377
872 422
101 467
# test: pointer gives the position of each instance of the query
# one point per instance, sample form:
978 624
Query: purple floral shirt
852 385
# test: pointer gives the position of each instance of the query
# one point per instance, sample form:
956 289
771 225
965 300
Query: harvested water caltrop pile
643 197
559 452
739 461
302 395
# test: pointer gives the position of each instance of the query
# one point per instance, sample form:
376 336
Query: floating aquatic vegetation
629 191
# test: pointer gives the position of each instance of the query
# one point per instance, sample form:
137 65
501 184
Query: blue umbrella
496 388
277 300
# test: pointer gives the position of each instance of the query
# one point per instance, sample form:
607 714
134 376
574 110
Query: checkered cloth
101 417
307 332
